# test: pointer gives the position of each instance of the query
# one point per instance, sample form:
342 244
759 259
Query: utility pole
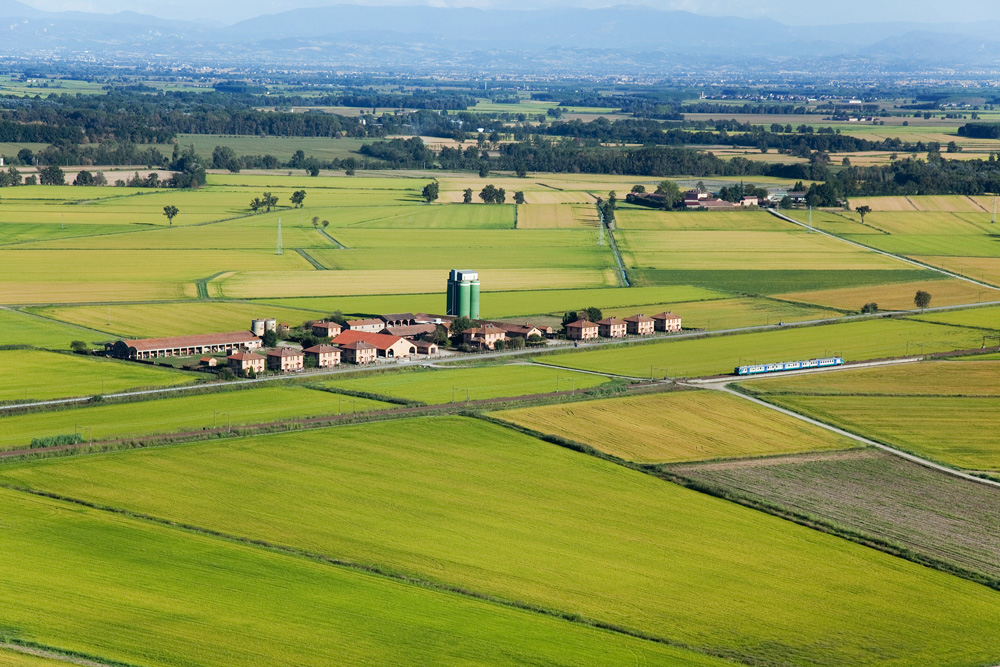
279 250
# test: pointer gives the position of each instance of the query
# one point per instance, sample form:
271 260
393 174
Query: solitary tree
325 223
613 200
638 188
863 211
171 213
670 191
922 299
869 308
315 221
518 197
51 175
79 347
430 191
594 314
297 198
467 196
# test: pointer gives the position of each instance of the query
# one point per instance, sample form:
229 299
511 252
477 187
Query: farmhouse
183 346
242 363
325 355
484 337
371 325
612 327
667 322
359 352
326 329
749 200
390 347
582 330
410 330
208 361
285 359
640 325
425 347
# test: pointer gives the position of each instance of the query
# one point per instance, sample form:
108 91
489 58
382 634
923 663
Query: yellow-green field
471 505
897 296
983 269
18 328
181 414
37 375
685 426
630 218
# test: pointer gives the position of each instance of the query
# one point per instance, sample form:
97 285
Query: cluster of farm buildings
698 200
366 341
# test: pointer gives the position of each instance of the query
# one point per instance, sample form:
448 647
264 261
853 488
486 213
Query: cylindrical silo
257 327
464 298
270 324
451 295
474 300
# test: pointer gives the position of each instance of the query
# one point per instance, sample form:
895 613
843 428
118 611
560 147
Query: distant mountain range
618 40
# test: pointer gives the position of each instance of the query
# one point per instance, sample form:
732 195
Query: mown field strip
447 499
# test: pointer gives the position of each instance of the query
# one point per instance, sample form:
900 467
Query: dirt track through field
52 655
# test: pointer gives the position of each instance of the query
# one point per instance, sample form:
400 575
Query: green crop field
929 378
983 318
629 218
685 426
155 320
957 431
22 329
446 216
728 313
983 269
510 304
37 375
322 148
444 386
918 244
182 414
778 281
83 580
877 494
14 658
472 505
898 296
854 341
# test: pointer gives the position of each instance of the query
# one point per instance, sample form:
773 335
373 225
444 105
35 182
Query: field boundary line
312 260
859 438
371 569
340 246
901 258
51 653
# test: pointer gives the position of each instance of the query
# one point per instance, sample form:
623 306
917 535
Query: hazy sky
786 11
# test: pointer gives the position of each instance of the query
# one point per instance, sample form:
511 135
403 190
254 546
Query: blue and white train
788 366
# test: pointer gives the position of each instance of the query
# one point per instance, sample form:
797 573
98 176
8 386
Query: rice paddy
898 296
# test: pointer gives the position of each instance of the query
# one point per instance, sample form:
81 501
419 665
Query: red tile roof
285 352
358 345
322 349
581 324
381 341
364 323
245 356
666 316
639 318
611 321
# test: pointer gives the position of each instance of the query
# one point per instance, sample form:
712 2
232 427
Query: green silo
464 298
474 300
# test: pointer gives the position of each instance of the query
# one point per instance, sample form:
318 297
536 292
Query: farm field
640 218
556 216
323 148
679 426
78 579
445 216
445 386
983 269
897 296
878 494
729 313
182 414
984 318
154 320
20 329
770 281
855 341
718 576
975 377
509 304
38 375
957 431
11 658
244 285
91 291
922 244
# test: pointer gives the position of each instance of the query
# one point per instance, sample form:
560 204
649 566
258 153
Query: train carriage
758 369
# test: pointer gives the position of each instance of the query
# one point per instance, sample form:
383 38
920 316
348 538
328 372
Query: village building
325 355
183 346
390 347
640 325
359 352
443 320
667 322
582 330
398 319
211 362
285 359
370 326
612 327
425 347
326 329
410 330
242 363
484 337
749 200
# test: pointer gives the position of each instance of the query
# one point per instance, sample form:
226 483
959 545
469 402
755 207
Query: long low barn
183 346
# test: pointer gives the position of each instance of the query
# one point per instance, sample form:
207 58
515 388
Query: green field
982 318
21 329
686 426
17 659
957 431
854 341
37 375
629 218
777 281
155 320
509 304
474 384
184 414
477 506
83 580
323 148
